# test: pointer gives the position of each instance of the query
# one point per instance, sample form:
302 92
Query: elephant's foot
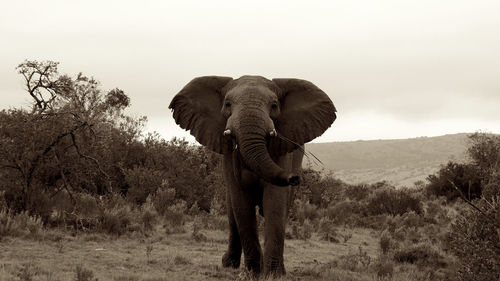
274 269
231 259
253 266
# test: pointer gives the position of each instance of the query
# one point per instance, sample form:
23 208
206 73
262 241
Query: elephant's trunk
255 156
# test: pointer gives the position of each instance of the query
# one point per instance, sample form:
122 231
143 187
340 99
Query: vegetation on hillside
75 163
400 162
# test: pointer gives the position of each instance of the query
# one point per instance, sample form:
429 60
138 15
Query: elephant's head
260 118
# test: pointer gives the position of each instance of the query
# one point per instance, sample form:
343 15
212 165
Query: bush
378 222
359 260
357 192
435 213
466 177
327 231
480 174
319 189
142 182
20 224
390 201
303 210
344 212
421 254
491 190
163 198
116 220
474 239
410 219
212 221
174 218
118 216
300 230
384 268
149 215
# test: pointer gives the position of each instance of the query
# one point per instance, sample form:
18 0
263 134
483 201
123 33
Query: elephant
260 127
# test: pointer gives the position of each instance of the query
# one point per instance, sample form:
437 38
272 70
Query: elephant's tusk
227 132
273 133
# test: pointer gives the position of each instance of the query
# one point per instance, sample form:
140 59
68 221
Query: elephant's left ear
197 108
306 112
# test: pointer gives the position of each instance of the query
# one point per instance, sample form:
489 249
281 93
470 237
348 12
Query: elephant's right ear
197 108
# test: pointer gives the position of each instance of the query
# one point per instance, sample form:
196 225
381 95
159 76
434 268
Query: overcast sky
394 69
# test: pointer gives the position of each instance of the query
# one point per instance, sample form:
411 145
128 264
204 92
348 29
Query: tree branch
472 204
65 181
73 138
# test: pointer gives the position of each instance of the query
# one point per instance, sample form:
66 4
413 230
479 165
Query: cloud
414 63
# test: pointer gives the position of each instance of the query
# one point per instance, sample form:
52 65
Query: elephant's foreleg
232 257
244 214
275 209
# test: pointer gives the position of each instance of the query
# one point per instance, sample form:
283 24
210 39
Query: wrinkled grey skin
240 119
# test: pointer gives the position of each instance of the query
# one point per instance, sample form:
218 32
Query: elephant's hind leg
232 257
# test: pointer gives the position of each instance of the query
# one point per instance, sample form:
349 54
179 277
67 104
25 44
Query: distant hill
400 162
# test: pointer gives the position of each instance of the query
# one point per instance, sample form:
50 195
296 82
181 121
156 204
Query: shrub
420 254
19 224
466 177
355 261
474 239
174 218
300 231
344 212
384 268
410 219
142 182
175 213
163 198
435 213
149 215
491 190
388 200
211 221
303 210
196 234
378 222
116 220
319 189
327 231
357 192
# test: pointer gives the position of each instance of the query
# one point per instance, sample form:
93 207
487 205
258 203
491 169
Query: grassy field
399 162
54 255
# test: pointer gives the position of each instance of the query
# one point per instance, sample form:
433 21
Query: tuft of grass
149 250
355 261
83 274
327 231
20 224
384 267
301 231
385 242
181 260
27 272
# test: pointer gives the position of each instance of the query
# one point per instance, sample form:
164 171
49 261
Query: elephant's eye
274 106
228 104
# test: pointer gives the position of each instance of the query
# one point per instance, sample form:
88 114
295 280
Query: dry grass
159 256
